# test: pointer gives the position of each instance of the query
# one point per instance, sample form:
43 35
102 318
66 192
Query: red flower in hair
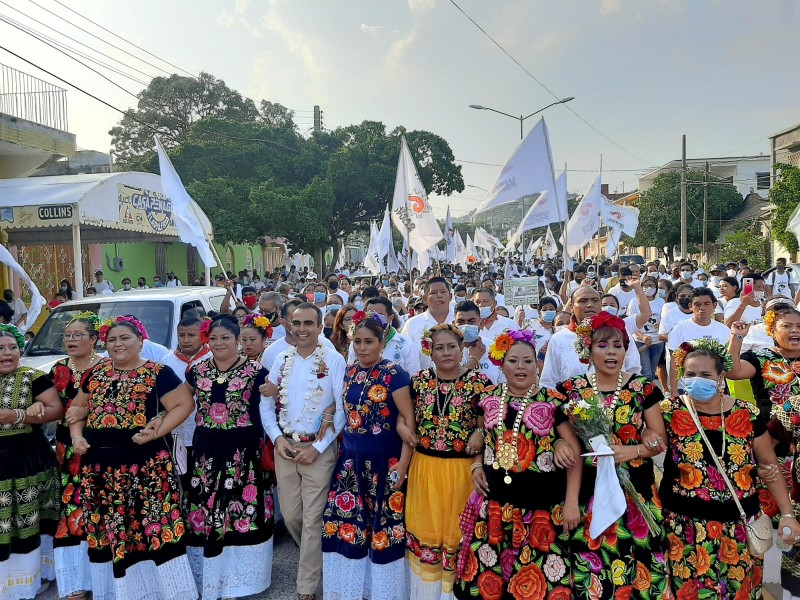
205 330
606 319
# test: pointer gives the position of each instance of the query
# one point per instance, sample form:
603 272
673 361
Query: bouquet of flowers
591 419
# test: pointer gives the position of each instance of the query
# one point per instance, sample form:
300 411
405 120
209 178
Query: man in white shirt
437 297
333 286
282 344
687 275
781 281
269 305
19 308
561 361
173 281
476 347
100 284
492 324
701 325
622 291
396 347
306 380
488 282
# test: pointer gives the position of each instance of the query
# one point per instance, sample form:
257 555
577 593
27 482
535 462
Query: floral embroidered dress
228 504
439 481
708 553
517 548
364 536
131 496
628 559
71 558
776 379
29 491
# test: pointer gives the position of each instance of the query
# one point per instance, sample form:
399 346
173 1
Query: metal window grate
33 99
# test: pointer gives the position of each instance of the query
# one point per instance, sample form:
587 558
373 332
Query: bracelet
787 516
638 451
475 467
20 416
77 437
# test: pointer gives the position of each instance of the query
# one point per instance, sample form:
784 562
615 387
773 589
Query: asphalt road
284 571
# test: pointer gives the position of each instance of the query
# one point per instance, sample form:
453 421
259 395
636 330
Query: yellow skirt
438 490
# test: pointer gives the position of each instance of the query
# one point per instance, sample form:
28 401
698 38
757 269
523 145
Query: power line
77 41
112 82
78 27
547 89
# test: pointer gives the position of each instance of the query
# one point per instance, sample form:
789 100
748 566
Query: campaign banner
522 291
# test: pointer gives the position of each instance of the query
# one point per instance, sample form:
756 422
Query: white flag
620 217
461 249
472 254
612 241
485 240
544 211
372 262
534 246
549 246
189 229
340 262
384 241
411 211
449 238
561 191
528 172
585 221
793 223
37 300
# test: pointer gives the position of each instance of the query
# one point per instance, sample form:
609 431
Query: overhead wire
547 89
122 38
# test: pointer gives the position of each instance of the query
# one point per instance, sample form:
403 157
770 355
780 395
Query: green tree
785 195
170 106
747 240
660 209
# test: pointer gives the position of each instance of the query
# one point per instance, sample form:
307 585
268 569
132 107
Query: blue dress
364 516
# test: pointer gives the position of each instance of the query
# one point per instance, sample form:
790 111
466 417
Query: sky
642 72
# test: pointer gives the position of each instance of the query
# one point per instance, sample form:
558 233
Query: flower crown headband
12 329
205 329
260 322
679 356
503 342
87 315
427 336
583 343
107 324
361 316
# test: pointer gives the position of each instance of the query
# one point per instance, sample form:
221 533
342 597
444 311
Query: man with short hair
701 325
561 362
332 280
269 305
18 306
476 347
492 324
437 298
293 277
782 281
101 285
623 292
307 378
173 281
126 285
687 275
157 282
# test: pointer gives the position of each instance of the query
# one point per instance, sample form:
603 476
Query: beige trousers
303 492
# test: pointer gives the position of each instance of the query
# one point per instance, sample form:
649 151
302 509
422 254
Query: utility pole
684 238
705 213
317 119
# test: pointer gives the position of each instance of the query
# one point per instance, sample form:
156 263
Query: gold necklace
608 410
507 457
76 372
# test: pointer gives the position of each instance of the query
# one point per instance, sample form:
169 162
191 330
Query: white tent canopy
93 208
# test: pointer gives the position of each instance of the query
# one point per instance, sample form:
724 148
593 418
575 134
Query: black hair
685 264
373 325
225 322
705 352
467 306
433 280
90 327
731 281
460 288
248 289
625 272
289 305
254 327
370 292
69 289
704 291
383 302
316 309
756 277
604 296
189 322
486 290
547 300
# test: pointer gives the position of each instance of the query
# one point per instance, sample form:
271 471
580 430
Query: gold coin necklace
506 457
608 409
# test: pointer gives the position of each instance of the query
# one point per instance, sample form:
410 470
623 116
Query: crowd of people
622 437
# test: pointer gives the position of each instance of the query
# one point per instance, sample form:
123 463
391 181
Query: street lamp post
522 120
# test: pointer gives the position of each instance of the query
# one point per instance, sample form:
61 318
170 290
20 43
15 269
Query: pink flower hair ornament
107 324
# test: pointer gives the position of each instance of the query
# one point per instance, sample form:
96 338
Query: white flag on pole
189 228
793 224
372 262
461 249
471 251
449 238
544 211
534 246
549 245
620 217
411 211
612 241
37 300
585 221
561 190
529 171
384 241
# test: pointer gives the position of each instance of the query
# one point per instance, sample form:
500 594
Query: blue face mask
700 389
612 310
662 293
470 332
686 274
486 312
549 316
359 304
320 296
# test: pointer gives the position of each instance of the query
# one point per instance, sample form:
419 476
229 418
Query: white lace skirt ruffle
354 579
144 581
238 571
73 573
427 590
22 574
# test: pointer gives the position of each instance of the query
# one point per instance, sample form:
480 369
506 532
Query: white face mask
650 290
731 272
559 327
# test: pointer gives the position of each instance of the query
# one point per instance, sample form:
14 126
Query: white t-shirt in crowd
486 366
671 315
623 298
782 283
688 330
650 329
751 314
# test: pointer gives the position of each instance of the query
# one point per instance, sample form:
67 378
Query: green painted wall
139 260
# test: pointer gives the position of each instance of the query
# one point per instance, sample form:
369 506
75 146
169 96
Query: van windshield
155 316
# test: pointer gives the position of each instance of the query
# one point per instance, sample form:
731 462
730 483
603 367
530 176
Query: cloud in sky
421 6
372 29
608 7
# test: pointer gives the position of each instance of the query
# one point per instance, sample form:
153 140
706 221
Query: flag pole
564 255
599 219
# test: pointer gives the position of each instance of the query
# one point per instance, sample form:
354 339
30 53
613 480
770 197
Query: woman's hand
740 328
327 421
572 516
563 455
769 472
475 443
401 469
625 453
145 436
80 445
76 413
479 481
791 523
653 442
407 434
35 410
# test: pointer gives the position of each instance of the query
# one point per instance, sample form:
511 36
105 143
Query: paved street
284 568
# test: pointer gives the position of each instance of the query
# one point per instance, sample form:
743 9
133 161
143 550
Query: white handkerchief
609 499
